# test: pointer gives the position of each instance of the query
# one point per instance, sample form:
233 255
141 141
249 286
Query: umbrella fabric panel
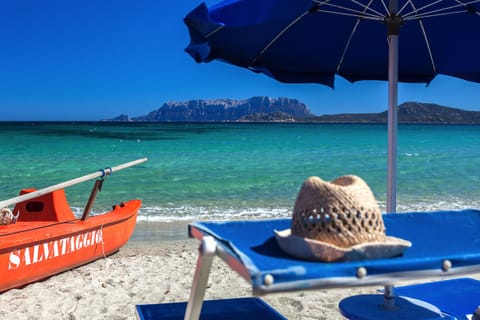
232 27
297 41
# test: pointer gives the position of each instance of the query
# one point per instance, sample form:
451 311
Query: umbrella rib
437 12
432 15
428 47
350 40
213 31
399 12
385 6
278 36
358 15
347 46
353 12
367 7
427 42
422 8
468 3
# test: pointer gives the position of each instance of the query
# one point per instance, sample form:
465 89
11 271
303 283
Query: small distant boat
46 237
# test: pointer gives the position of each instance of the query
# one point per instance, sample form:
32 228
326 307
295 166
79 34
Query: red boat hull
48 239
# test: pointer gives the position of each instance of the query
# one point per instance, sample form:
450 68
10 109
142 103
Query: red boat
47 238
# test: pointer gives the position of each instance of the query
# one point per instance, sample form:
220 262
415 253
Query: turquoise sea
233 170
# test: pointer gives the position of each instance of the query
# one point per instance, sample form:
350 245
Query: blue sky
96 59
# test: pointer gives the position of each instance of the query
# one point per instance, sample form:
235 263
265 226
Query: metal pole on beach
393 29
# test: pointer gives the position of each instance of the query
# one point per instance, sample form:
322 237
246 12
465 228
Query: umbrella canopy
312 41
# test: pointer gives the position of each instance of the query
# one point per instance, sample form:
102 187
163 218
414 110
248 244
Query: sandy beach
155 271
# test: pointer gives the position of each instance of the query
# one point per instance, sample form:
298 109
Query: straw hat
338 221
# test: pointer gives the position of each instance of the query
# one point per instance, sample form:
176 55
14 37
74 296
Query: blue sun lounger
456 299
459 298
225 309
444 244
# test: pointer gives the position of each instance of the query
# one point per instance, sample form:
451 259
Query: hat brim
309 249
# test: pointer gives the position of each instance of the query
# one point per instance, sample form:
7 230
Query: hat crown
342 212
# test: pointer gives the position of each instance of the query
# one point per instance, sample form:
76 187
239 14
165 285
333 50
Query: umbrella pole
392 123
393 29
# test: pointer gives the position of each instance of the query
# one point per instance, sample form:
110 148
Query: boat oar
62 185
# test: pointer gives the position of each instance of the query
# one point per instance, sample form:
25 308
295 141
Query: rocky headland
226 110
266 109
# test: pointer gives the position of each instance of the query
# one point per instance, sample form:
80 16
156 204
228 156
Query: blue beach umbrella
312 41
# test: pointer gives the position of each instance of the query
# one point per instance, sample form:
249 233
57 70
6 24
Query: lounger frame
445 245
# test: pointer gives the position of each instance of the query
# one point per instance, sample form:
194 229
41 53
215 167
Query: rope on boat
103 243
7 216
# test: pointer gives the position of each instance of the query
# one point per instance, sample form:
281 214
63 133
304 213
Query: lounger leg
207 250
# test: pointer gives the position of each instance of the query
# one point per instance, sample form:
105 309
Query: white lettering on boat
52 249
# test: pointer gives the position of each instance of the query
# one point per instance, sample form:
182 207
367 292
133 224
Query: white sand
151 272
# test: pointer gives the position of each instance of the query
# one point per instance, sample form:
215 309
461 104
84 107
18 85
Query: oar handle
62 185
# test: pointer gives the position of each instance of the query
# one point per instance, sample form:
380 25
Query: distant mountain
121 118
408 112
414 112
265 109
227 110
